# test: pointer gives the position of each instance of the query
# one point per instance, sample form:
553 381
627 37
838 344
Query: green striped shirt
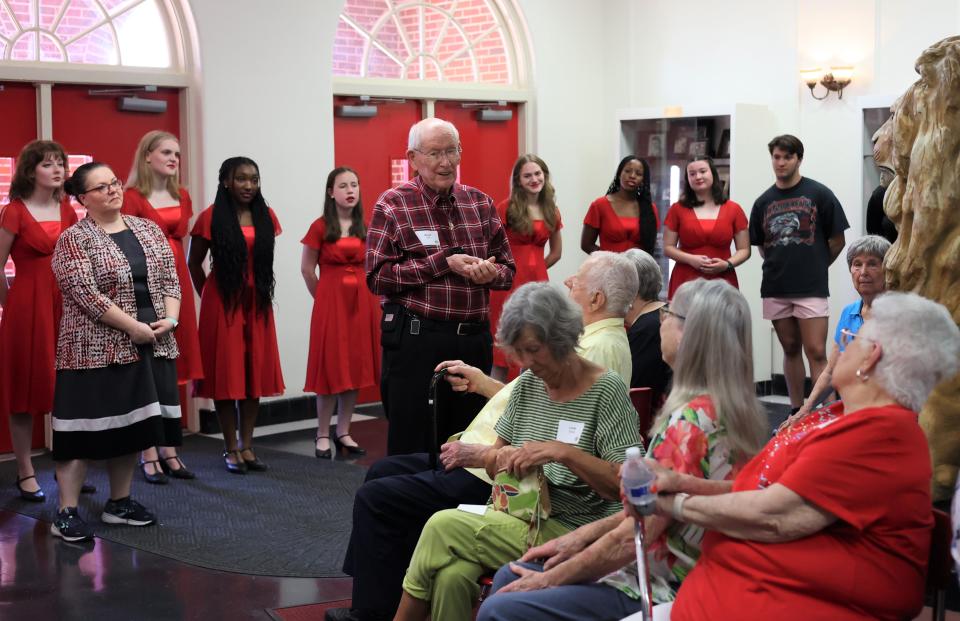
609 428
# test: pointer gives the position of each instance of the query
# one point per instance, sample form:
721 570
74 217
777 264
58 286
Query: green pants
456 548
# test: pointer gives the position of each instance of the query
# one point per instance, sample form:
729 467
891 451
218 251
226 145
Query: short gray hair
920 342
870 245
418 129
613 275
549 311
651 278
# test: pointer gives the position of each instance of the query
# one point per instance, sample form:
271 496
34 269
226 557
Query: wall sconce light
835 80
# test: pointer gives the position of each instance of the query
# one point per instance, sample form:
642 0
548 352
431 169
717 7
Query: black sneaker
126 511
69 527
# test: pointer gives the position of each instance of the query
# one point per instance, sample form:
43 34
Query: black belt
460 328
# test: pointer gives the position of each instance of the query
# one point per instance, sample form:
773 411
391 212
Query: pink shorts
801 308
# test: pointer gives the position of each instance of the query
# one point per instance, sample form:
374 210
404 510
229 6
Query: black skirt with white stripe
116 410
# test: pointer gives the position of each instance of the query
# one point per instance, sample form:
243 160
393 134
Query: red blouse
617 233
707 237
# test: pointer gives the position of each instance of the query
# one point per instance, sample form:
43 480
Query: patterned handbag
526 499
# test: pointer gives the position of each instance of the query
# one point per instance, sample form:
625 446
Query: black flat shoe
351 450
37 496
324 454
253 464
178 473
240 467
158 477
86 488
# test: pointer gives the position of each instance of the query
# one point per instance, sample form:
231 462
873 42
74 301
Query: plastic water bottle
637 479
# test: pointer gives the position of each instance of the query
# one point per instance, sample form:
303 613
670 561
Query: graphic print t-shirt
793 226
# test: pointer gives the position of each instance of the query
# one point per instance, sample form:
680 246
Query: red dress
344 328
531 267
241 359
698 237
31 316
617 233
173 222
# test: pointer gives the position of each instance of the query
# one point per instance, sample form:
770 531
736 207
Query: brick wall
444 48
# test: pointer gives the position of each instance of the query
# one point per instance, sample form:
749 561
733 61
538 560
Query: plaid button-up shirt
411 233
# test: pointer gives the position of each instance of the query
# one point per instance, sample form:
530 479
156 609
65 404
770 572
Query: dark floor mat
293 520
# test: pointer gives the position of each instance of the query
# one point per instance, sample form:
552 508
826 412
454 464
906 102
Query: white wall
267 93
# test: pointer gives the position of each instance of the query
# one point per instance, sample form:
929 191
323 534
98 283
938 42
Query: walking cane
434 415
643 572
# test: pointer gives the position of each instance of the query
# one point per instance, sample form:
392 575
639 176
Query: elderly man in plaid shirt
434 249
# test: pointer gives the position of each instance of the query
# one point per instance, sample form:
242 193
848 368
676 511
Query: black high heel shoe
324 454
158 477
178 473
240 467
351 450
37 496
254 464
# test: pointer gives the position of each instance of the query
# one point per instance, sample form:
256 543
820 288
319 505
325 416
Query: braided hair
229 249
648 220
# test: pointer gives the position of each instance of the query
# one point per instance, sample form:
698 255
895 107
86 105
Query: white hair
550 312
920 343
420 128
869 245
648 272
613 275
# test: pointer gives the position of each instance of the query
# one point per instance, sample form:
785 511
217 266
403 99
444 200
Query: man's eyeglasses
665 311
452 155
103 188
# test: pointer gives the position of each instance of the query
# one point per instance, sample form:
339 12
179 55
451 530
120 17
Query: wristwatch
455 250
729 264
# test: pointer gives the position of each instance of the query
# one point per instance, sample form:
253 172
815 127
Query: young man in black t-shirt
798 226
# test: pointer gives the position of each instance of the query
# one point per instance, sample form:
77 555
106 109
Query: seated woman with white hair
832 519
643 328
566 414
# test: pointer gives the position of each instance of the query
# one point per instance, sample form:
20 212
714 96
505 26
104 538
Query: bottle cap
634 453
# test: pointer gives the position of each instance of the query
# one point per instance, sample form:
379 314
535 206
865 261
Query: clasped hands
144 333
476 270
522 460
705 264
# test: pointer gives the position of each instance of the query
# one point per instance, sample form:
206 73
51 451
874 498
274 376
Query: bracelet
677 510
173 321
730 265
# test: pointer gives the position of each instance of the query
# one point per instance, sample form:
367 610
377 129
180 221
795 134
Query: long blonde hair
518 216
715 358
141 177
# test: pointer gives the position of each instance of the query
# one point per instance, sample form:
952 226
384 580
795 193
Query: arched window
441 40
94 32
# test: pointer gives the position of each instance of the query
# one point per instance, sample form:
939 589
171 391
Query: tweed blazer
93 274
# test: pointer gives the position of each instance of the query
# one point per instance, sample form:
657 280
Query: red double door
376 148
90 127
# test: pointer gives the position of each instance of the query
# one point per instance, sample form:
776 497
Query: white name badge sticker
569 432
428 238
474 509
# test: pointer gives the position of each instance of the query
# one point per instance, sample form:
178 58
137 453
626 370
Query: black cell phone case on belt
391 325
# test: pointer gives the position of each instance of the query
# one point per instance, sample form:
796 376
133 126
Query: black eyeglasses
665 310
103 188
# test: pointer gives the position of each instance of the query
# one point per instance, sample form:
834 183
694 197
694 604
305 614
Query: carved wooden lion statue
924 203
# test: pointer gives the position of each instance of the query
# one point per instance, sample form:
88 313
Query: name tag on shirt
569 432
428 238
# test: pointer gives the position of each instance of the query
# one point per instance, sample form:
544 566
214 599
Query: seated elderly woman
643 328
566 414
832 519
710 425
865 260
386 524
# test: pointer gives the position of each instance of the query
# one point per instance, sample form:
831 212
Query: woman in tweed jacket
116 391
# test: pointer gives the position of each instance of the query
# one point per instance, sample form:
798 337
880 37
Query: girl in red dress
30 224
238 338
154 192
699 228
625 217
344 347
532 219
